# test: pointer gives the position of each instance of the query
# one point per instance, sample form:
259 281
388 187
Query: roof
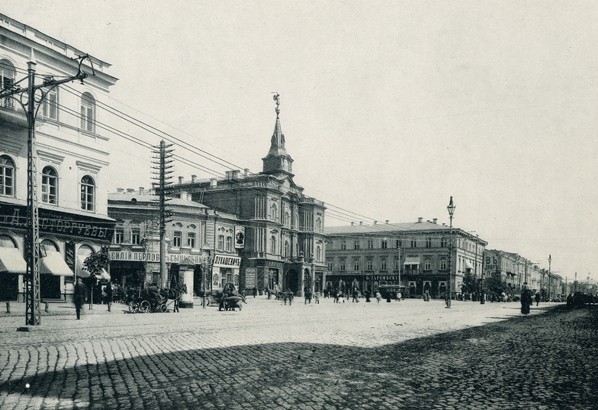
147 196
383 228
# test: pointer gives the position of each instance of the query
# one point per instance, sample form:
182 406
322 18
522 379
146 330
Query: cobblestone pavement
398 355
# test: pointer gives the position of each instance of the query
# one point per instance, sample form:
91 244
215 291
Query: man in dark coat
108 297
526 299
79 297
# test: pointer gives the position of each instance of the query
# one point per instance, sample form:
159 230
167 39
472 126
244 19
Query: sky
388 107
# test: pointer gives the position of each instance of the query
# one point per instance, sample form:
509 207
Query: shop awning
84 273
411 260
12 261
53 264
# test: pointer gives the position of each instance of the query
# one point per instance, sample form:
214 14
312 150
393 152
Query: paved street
409 354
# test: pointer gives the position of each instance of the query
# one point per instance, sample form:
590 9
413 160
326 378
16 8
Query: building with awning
12 261
12 265
71 155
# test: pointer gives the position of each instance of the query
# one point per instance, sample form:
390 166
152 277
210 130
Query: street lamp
207 249
549 276
451 210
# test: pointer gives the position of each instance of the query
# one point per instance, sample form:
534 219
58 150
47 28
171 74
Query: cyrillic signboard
140 256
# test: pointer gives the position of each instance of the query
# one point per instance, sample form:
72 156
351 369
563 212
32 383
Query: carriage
151 299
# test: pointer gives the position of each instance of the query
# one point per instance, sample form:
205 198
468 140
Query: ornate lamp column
451 210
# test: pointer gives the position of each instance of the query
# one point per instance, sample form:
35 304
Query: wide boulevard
397 355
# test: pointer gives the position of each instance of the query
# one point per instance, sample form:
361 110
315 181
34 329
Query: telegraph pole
164 168
31 99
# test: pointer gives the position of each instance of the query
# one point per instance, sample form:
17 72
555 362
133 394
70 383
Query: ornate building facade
70 157
284 240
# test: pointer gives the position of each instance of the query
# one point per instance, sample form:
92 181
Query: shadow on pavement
545 360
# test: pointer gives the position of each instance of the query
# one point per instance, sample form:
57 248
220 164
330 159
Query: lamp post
549 276
208 250
451 210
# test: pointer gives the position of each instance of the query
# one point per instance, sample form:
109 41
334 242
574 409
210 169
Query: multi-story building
416 257
70 157
284 229
201 251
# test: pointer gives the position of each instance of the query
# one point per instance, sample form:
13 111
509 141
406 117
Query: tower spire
277 160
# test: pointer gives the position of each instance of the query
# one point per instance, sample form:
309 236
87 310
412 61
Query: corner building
71 160
284 246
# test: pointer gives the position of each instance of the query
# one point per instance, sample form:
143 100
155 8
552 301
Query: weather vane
276 98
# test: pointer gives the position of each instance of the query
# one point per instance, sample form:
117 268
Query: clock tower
278 162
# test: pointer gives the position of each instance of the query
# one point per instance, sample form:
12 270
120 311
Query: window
369 265
318 224
274 212
221 242
7 79
356 244
397 264
49 186
87 193
343 245
7 176
50 104
427 264
384 244
287 219
318 254
177 237
191 239
443 242
273 244
370 244
287 249
342 266
135 236
356 265
88 111
398 243
414 243
118 237
329 266
428 242
383 264
443 264
229 243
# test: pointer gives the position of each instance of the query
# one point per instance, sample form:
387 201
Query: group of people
527 299
80 296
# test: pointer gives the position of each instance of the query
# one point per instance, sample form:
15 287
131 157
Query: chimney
235 174
120 189
193 178
435 220
246 171
229 175
213 182
130 190
180 180
419 220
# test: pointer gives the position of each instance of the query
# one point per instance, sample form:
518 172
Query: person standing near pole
526 299
108 297
79 297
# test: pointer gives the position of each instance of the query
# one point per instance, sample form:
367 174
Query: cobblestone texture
399 355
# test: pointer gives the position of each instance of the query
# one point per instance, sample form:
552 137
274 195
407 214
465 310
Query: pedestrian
526 299
378 296
308 295
79 296
537 297
254 291
108 295
399 296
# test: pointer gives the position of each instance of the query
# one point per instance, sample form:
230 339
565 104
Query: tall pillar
187 297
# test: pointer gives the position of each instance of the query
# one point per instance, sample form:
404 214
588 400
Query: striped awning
54 264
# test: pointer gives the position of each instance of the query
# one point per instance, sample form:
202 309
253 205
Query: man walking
79 297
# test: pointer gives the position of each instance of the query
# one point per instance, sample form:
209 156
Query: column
187 298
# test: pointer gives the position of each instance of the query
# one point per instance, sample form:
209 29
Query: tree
95 264
469 281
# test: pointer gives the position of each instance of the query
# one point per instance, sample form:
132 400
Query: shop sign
227 261
178 258
58 223
274 264
381 277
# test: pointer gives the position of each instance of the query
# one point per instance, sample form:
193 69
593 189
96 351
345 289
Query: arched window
318 254
7 176
49 186
88 191
7 79
287 219
427 264
443 264
221 242
287 249
273 245
88 112
274 212
318 224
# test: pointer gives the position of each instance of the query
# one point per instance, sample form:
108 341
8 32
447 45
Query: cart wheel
163 308
144 306
133 307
